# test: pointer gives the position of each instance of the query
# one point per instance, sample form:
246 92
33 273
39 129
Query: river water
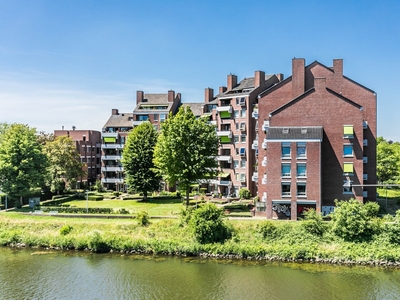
38 274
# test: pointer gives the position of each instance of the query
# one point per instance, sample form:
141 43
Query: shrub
95 197
123 211
96 242
116 194
143 218
244 193
65 229
351 220
267 229
208 225
313 223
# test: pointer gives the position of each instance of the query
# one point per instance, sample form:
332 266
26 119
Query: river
41 274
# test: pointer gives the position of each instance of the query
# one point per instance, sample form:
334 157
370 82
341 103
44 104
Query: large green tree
22 162
186 149
137 160
64 163
388 161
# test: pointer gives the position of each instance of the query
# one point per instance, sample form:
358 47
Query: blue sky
68 63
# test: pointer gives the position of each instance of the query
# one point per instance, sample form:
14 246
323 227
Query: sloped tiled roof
196 108
295 133
120 120
156 99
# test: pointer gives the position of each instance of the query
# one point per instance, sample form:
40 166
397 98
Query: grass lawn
155 207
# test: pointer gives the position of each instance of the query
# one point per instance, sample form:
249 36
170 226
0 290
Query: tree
388 161
137 160
186 149
64 163
22 162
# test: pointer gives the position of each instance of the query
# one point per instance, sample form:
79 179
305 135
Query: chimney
338 67
208 95
280 76
319 83
232 81
259 78
298 77
139 96
114 112
222 89
171 96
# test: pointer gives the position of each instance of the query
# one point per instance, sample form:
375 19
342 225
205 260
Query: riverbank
289 242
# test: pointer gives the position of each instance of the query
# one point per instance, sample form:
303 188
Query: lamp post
87 201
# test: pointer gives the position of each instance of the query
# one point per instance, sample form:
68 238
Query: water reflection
32 274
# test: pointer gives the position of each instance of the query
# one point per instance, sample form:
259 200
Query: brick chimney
208 95
298 77
114 112
259 78
171 96
280 76
232 81
222 89
338 67
139 96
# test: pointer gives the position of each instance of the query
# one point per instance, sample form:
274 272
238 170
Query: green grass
155 207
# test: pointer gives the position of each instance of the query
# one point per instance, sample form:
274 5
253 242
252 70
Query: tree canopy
186 149
22 162
137 160
388 161
64 163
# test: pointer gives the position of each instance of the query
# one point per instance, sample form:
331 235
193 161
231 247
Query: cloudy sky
68 63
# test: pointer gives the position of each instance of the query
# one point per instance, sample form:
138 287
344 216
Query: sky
69 63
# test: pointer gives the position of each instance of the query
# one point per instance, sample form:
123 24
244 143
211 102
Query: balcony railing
254 114
227 158
112 169
112 146
227 133
109 134
227 108
254 177
111 157
254 145
112 180
224 182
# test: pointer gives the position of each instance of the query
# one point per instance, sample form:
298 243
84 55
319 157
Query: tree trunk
187 198
145 196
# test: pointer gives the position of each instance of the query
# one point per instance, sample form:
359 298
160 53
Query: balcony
227 108
112 169
265 126
109 134
112 180
254 177
111 157
136 123
254 145
224 182
226 158
112 146
254 114
227 133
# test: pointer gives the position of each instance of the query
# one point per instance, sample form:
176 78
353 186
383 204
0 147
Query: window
163 117
365 176
301 189
365 159
242 126
155 117
243 164
242 101
348 168
142 117
301 170
348 150
237 101
365 142
236 138
235 164
242 151
285 170
236 114
301 150
285 188
286 150
243 112
348 131
365 124
243 138
347 187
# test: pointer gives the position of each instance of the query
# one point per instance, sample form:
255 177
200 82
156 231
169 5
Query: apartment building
88 145
154 108
317 141
232 112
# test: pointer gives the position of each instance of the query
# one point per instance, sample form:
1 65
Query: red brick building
317 141
88 145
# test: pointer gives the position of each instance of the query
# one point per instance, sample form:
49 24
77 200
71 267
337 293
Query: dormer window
285 130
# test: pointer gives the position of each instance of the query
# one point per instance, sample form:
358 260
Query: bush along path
206 232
